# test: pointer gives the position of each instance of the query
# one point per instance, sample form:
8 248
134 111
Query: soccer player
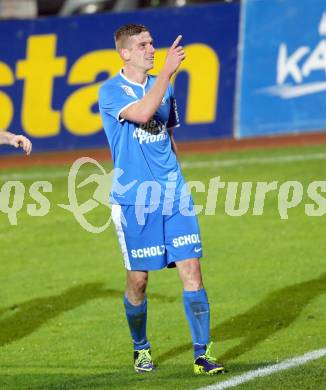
153 214
18 141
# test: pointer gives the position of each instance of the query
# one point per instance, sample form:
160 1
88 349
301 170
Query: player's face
141 51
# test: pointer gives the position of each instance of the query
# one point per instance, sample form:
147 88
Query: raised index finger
176 42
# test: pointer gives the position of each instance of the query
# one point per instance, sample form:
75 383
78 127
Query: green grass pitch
62 324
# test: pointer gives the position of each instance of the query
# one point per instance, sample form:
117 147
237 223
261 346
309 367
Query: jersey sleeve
173 120
114 99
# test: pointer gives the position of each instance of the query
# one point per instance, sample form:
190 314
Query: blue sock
197 311
137 317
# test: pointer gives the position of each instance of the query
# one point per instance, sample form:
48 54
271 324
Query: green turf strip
62 324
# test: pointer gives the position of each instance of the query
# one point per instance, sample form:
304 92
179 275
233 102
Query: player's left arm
173 143
18 141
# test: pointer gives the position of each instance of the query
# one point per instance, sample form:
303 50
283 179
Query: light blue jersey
141 153
154 231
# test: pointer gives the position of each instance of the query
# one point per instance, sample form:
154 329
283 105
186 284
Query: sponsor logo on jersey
152 131
153 126
186 240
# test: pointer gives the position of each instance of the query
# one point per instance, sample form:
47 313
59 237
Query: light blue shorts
153 237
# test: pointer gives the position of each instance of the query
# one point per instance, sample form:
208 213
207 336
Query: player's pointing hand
174 57
176 42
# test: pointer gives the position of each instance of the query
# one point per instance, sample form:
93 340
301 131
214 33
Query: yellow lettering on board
77 112
6 106
203 68
38 70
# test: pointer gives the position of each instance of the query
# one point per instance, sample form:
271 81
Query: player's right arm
144 109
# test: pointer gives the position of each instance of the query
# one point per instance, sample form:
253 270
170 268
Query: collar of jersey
132 82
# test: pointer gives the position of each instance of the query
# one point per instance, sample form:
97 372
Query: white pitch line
56 174
253 160
264 371
39 175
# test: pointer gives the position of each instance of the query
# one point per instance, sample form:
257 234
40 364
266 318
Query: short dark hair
126 31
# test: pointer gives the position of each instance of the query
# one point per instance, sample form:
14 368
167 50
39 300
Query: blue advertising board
282 77
51 69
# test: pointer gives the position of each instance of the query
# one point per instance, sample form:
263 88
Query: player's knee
193 280
135 291
138 284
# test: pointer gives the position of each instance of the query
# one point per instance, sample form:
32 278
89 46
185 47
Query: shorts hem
157 268
170 264
182 258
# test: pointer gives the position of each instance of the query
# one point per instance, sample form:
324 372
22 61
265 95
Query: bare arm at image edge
18 141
